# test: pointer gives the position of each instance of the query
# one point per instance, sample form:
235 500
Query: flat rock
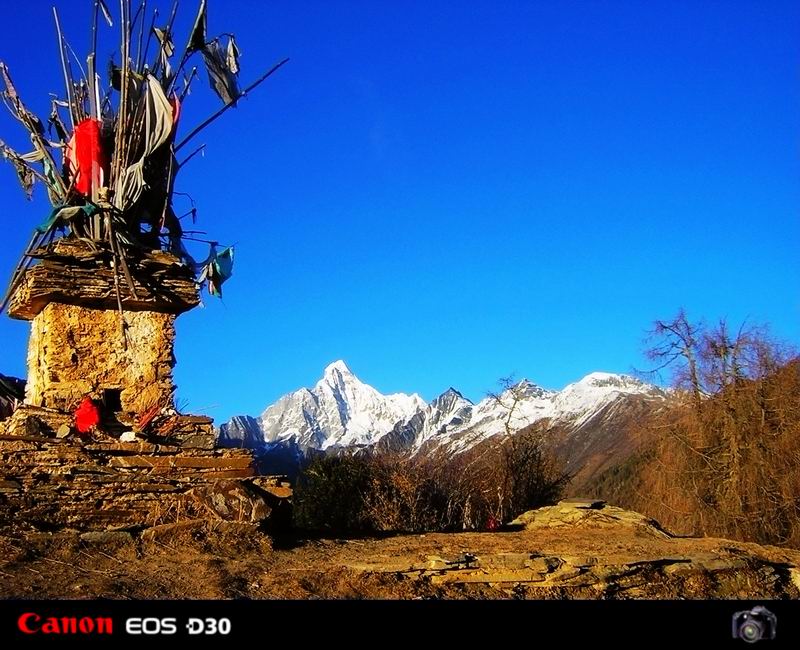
596 514
107 537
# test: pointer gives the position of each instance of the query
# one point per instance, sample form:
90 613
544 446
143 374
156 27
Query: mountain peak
452 391
526 388
606 382
450 398
337 367
608 379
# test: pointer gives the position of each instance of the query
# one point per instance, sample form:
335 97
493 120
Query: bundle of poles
108 154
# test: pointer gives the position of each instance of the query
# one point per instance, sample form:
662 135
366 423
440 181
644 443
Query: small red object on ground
87 416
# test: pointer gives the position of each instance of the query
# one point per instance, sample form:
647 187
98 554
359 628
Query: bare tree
726 460
509 396
674 345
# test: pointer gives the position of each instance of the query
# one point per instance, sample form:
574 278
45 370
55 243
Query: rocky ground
573 550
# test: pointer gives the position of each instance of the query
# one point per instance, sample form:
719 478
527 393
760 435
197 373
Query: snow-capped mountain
341 412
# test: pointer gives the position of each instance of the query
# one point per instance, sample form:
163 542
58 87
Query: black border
535 623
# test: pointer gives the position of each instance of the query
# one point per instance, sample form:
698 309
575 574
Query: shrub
475 490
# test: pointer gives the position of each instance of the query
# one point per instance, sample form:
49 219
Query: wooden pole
251 87
122 114
141 36
67 80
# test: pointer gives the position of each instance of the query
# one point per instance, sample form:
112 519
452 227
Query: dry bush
475 490
402 496
498 480
329 494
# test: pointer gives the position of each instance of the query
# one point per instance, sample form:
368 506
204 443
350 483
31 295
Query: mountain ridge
341 412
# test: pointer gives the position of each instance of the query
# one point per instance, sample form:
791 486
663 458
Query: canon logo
32 623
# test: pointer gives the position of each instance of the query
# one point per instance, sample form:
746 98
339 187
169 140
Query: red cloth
176 111
87 416
87 160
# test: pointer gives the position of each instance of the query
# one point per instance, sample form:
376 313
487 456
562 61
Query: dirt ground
201 560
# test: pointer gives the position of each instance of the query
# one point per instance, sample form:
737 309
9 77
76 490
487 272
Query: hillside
723 465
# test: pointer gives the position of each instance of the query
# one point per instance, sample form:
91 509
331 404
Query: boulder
589 513
230 501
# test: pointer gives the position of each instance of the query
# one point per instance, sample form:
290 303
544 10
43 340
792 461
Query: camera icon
754 625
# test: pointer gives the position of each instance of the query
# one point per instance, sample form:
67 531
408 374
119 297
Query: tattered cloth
158 125
223 66
64 213
217 269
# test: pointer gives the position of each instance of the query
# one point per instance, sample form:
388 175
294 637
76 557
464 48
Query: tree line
724 456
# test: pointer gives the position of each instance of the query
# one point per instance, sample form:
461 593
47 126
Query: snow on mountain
341 411
447 413
579 401
241 431
525 403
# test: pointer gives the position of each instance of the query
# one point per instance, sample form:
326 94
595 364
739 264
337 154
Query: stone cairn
146 464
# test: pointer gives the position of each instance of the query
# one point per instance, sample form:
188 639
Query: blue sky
444 193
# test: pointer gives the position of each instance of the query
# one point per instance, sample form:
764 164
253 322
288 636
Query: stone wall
73 272
76 351
49 482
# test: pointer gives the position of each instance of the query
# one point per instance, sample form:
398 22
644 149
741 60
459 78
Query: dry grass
203 561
